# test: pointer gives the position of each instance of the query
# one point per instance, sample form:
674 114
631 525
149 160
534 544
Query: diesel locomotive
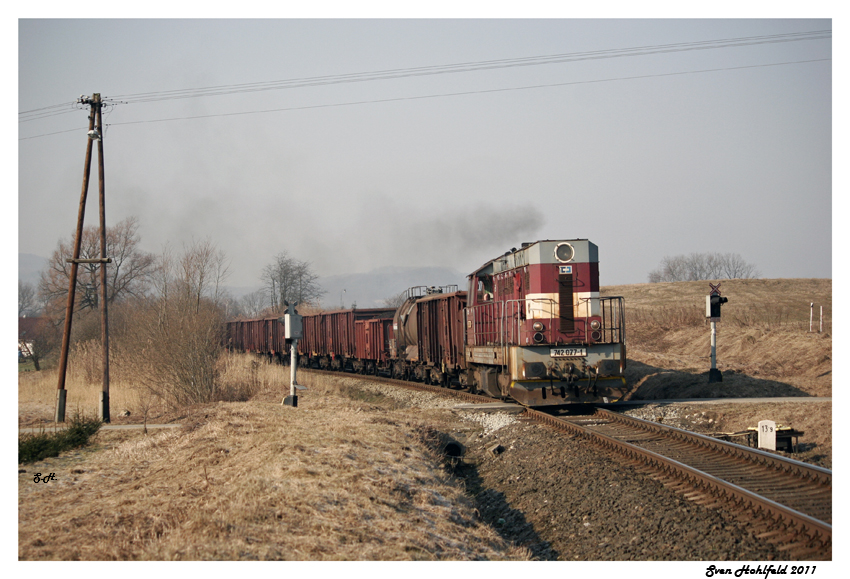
531 327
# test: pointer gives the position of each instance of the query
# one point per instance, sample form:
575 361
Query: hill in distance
369 290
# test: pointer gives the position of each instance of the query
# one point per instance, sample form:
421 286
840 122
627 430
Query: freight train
530 327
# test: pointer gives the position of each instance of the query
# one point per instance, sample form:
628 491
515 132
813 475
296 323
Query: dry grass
240 379
764 347
334 479
37 395
762 303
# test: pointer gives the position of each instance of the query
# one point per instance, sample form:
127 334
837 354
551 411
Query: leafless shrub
173 341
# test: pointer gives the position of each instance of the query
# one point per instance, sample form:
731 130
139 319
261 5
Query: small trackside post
713 302
293 331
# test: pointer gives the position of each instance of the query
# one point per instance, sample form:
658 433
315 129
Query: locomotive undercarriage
445 377
538 383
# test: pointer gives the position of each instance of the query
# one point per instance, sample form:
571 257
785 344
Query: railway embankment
359 473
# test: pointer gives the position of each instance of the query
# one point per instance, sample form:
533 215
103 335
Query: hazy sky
679 149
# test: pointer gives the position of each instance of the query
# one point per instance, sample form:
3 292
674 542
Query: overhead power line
444 95
70 107
464 93
441 69
471 66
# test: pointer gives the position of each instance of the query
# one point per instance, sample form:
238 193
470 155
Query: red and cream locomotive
537 330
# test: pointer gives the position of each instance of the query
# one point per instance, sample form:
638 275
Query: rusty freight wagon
372 344
330 338
261 336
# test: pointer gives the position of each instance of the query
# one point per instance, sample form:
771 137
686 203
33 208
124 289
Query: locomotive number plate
568 352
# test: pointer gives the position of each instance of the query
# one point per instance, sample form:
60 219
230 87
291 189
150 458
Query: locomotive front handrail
500 323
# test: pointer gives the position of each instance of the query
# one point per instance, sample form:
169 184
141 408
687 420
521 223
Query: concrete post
292 399
714 374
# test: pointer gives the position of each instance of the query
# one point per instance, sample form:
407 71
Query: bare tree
396 300
703 266
39 338
290 280
201 270
127 275
734 267
253 303
27 305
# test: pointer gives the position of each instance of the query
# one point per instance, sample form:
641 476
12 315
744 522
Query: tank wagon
428 341
531 327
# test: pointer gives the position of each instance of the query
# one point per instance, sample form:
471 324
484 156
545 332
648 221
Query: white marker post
767 434
811 315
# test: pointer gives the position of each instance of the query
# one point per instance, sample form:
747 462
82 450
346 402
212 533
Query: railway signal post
713 301
293 331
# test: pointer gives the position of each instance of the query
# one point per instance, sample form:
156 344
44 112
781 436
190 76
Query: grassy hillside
764 347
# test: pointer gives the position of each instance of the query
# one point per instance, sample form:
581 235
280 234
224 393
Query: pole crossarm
96 260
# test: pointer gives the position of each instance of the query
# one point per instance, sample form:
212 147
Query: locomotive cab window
485 289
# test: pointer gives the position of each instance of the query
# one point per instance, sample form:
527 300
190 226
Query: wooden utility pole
103 407
95 133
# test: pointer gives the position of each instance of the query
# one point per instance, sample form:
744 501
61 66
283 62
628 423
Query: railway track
786 502
789 502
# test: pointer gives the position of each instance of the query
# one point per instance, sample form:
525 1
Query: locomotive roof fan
564 252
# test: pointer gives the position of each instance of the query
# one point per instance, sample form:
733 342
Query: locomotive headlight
538 326
595 324
564 252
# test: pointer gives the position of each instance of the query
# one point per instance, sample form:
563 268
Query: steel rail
817 533
810 472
